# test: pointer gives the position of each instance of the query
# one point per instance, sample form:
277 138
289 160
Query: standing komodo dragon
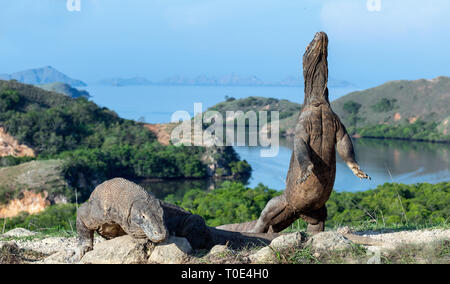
118 207
312 169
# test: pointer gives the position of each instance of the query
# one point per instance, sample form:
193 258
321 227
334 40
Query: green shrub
389 205
54 218
384 105
231 203
418 130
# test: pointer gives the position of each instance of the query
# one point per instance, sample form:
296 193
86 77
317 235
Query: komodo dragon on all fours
118 207
312 169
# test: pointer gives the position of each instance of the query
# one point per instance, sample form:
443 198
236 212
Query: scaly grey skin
182 223
118 207
312 169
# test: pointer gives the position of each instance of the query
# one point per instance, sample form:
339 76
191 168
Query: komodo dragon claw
359 173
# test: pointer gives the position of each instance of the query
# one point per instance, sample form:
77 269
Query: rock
293 240
287 241
19 232
121 250
174 251
61 257
49 245
264 255
219 249
344 230
327 241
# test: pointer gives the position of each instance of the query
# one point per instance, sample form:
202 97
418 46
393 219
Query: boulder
264 255
60 257
18 232
286 241
174 251
218 249
328 241
120 250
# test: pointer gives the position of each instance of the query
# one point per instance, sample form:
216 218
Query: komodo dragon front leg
85 230
345 150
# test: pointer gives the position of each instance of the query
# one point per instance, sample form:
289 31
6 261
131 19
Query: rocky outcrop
177 250
31 203
121 250
268 254
174 251
33 186
9 146
161 131
127 250
18 232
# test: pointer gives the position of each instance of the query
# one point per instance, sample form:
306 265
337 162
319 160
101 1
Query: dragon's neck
315 71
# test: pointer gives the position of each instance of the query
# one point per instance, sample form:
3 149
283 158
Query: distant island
43 75
226 80
119 82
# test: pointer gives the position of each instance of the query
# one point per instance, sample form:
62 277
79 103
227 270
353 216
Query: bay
384 160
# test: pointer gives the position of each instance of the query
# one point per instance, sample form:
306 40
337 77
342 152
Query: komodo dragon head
147 215
315 70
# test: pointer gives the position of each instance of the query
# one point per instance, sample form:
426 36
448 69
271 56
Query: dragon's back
119 194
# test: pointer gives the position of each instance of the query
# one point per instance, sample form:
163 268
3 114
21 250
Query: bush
231 203
388 205
54 218
9 161
391 204
418 130
384 105
352 107
148 160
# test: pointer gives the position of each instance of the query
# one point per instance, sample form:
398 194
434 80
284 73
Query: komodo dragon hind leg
316 220
274 208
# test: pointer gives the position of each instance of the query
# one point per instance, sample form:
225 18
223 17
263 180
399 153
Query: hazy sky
406 39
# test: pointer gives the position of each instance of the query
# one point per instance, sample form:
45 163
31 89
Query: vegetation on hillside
398 109
416 110
388 206
285 108
95 142
231 203
419 130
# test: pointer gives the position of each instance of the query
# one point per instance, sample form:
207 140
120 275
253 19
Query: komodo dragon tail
238 227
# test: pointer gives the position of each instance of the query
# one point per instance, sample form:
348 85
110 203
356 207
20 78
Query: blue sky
160 38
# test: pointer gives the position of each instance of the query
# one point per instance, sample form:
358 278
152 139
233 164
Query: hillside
65 89
94 143
43 75
417 110
288 110
396 105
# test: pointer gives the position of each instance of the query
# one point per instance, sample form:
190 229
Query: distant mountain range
227 80
119 82
44 75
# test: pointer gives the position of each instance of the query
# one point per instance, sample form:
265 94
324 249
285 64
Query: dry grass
10 253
